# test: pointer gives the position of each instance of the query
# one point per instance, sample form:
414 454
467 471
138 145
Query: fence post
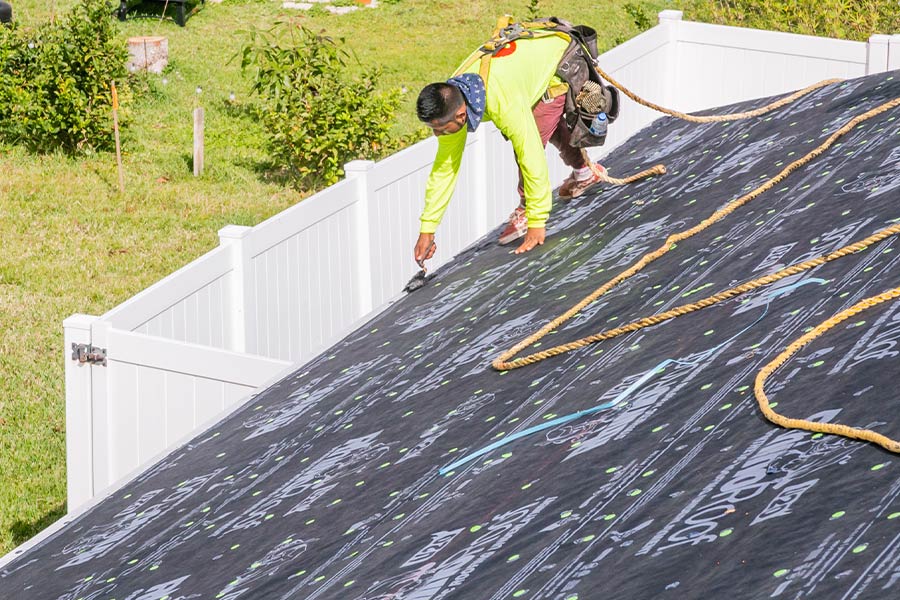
79 414
198 139
877 54
235 237
670 20
893 53
359 171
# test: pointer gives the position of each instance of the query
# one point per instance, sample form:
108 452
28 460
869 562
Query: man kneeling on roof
526 99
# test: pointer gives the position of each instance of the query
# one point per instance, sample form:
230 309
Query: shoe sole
561 197
597 171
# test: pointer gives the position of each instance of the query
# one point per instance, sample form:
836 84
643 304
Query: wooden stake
115 110
198 141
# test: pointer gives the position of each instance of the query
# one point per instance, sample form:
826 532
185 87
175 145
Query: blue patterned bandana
472 88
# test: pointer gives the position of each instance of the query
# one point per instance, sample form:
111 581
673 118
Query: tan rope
661 169
654 170
714 118
503 362
831 428
603 176
709 300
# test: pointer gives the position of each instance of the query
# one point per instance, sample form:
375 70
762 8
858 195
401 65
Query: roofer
526 99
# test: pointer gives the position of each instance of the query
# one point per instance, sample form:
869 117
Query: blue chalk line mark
627 392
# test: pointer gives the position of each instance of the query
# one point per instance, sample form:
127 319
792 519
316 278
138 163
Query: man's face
456 122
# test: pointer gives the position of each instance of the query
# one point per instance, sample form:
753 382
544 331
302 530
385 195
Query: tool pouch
576 68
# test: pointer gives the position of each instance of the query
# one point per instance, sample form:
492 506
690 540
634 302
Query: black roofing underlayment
326 484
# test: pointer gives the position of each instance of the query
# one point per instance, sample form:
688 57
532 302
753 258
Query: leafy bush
317 116
855 20
55 81
639 17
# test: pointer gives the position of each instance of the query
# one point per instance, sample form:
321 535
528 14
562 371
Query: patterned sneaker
516 228
572 188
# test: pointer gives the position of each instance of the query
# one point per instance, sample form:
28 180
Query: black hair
438 101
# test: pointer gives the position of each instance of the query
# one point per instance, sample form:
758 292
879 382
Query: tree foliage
846 19
317 114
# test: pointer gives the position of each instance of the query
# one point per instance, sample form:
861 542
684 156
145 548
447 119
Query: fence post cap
234 232
670 15
358 166
79 321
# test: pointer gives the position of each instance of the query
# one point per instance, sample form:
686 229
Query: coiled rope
709 300
503 362
831 428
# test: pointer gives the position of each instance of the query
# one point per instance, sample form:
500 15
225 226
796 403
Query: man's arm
518 125
442 180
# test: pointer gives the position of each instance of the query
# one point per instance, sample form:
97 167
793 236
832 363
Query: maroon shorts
552 127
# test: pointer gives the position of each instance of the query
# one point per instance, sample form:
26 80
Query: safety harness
575 69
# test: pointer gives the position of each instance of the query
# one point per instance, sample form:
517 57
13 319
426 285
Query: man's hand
534 237
425 248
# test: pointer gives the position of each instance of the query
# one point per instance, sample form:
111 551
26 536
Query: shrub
55 81
317 115
638 16
830 18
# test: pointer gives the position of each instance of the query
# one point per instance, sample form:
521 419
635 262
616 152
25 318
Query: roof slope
326 485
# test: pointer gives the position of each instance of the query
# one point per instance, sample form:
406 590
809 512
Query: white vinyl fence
194 345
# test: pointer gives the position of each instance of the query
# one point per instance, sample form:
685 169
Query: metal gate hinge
86 353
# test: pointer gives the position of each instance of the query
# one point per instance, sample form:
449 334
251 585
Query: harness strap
506 31
485 68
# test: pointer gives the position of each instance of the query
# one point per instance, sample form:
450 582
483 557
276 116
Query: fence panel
301 275
149 397
719 65
642 65
191 305
499 190
893 61
395 192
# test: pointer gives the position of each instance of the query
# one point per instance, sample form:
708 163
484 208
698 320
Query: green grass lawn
72 244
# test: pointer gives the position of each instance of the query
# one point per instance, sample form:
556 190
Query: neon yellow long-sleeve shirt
516 82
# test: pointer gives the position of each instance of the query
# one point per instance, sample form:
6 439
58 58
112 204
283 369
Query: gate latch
86 353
